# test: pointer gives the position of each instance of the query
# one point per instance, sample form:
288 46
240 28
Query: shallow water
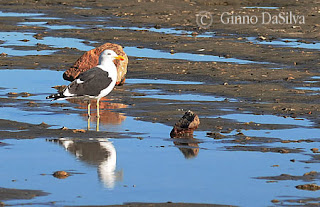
287 43
39 86
160 81
309 88
49 26
12 39
151 53
27 40
171 31
84 8
36 82
267 119
44 18
287 134
14 52
16 14
212 170
152 168
312 85
158 94
260 7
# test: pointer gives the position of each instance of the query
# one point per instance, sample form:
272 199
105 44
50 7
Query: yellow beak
119 57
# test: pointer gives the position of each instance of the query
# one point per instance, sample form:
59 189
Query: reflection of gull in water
96 151
107 168
107 115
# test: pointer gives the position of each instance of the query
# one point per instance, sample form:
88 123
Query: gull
94 83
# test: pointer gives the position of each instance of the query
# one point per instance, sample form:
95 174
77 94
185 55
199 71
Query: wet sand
245 71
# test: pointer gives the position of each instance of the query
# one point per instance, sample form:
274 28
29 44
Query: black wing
90 83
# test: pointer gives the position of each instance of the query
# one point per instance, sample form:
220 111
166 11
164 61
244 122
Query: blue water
13 52
171 31
161 81
287 43
148 173
267 119
309 88
16 14
158 94
151 53
260 7
49 26
148 169
15 39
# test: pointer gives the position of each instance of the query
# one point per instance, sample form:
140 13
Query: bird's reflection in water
107 116
189 146
98 152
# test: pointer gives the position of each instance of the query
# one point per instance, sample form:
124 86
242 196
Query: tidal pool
16 14
159 94
267 119
53 27
171 31
161 81
295 43
20 39
148 166
148 170
151 53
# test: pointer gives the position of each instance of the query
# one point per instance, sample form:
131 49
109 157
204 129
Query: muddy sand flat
254 86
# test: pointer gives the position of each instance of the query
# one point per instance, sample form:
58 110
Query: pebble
12 94
312 187
262 37
311 173
25 94
43 124
215 135
284 151
78 130
61 174
32 104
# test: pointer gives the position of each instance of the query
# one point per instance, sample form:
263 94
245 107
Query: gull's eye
109 54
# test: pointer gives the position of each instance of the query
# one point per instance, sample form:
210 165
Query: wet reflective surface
144 164
267 119
110 169
260 7
171 31
114 169
158 94
294 43
45 24
16 14
14 39
151 53
161 81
